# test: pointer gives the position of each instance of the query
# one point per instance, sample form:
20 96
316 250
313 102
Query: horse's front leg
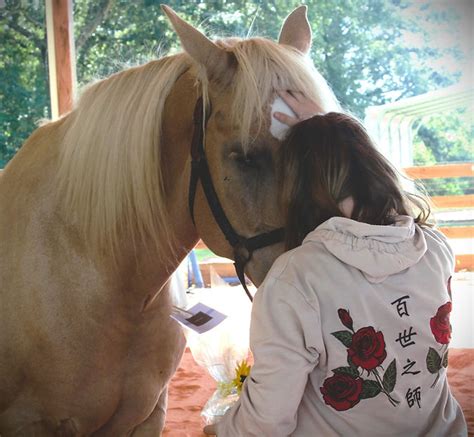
153 426
152 361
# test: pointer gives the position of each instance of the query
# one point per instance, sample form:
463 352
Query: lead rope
239 265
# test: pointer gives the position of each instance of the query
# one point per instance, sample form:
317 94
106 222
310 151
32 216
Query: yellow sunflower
241 372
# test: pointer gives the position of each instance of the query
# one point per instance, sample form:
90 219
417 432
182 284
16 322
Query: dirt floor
191 387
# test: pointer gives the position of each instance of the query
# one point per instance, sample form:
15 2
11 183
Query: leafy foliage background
360 46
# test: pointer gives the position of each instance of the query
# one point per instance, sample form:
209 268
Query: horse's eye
245 160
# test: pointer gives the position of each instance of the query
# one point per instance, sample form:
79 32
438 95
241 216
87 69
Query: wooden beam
462 201
61 55
441 171
223 269
464 262
458 232
200 245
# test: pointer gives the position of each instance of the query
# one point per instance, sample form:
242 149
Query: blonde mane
110 174
110 169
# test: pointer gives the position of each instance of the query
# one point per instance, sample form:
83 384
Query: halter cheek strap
243 247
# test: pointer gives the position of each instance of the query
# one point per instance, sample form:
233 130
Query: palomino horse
94 219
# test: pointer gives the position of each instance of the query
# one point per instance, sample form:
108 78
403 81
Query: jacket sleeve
285 337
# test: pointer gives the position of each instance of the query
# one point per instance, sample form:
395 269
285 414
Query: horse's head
239 80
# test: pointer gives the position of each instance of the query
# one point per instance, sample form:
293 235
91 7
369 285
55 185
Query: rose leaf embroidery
351 364
370 389
345 337
351 371
390 377
433 361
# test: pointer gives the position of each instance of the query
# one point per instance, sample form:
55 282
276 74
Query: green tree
358 46
445 138
24 89
448 136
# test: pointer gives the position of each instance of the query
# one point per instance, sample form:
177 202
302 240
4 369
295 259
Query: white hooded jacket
349 334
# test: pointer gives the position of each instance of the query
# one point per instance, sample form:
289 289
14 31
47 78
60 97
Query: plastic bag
222 349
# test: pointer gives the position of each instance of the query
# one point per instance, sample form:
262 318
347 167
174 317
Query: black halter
243 247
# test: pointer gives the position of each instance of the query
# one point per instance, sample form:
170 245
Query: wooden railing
449 202
441 171
463 260
445 171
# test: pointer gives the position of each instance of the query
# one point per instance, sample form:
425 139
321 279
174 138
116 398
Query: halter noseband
243 247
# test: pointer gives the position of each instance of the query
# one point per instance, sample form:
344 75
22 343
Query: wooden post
61 56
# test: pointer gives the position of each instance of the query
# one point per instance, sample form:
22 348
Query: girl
350 328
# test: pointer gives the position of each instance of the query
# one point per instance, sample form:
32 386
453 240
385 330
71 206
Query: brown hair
328 158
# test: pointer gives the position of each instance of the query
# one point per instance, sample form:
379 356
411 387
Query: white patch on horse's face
278 129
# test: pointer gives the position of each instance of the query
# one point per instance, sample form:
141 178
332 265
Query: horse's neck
27 182
152 268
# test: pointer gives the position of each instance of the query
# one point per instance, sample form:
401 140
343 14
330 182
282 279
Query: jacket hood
378 251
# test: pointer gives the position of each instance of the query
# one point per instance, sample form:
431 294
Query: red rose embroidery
345 318
341 391
440 326
367 349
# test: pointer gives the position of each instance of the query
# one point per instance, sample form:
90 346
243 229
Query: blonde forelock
263 67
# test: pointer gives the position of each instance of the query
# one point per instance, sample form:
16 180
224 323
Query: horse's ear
217 61
296 31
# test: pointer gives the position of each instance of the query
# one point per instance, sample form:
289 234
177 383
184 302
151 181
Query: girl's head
329 167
